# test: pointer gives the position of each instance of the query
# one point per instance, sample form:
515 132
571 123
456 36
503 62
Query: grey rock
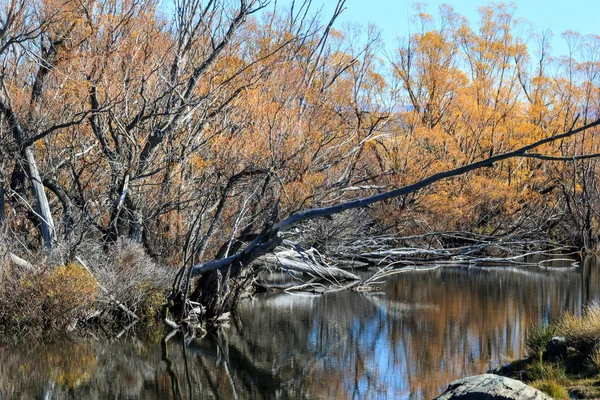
490 387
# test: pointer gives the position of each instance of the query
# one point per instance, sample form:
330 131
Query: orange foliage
134 101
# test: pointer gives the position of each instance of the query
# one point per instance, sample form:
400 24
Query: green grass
542 371
536 339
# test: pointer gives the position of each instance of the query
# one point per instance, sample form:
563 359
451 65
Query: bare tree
213 290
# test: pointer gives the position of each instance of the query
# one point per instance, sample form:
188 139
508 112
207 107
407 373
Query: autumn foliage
180 128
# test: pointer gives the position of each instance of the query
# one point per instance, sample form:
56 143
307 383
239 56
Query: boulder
490 387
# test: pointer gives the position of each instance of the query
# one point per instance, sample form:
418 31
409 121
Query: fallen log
18 261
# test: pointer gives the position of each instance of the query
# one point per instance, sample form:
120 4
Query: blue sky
392 16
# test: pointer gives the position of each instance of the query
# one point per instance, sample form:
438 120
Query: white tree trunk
2 207
41 201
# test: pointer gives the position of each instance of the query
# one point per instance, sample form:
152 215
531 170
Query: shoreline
563 360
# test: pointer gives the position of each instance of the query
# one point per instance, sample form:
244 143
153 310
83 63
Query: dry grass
551 388
576 372
581 332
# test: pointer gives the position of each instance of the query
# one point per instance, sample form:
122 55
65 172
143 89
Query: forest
139 142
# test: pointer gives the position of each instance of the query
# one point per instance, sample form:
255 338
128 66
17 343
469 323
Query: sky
393 16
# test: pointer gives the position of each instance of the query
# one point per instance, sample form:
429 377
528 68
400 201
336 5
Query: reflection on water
427 329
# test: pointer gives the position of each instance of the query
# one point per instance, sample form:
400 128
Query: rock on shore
490 387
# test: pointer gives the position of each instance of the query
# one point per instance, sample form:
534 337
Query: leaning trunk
41 201
1 206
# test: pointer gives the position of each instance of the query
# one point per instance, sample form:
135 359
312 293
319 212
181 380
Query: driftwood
305 261
18 261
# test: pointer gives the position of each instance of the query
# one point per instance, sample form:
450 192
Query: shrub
134 279
70 285
152 299
45 296
42 295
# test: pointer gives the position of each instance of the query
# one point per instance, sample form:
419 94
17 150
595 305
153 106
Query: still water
425 329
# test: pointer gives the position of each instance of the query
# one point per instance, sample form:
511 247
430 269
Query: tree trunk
2 221
41 201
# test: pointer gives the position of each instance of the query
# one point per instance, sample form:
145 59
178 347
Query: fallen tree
217 287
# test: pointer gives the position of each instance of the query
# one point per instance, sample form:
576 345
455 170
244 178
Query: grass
547 371
537 338
576 374
551 388
582 332
594 360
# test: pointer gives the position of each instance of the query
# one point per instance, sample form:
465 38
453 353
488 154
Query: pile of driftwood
361 264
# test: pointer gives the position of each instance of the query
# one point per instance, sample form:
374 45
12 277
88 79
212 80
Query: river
424 329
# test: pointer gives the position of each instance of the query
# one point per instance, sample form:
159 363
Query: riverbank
563 358
100 289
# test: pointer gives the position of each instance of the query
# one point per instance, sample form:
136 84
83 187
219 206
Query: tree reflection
427 329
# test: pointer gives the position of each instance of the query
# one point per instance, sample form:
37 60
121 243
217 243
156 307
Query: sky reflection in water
426 329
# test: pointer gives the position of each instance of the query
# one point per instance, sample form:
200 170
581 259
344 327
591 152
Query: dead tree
213 275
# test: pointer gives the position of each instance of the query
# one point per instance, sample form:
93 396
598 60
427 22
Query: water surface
425 329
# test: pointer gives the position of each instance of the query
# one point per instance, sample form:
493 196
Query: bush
41 294
50 297
70 285
134 279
